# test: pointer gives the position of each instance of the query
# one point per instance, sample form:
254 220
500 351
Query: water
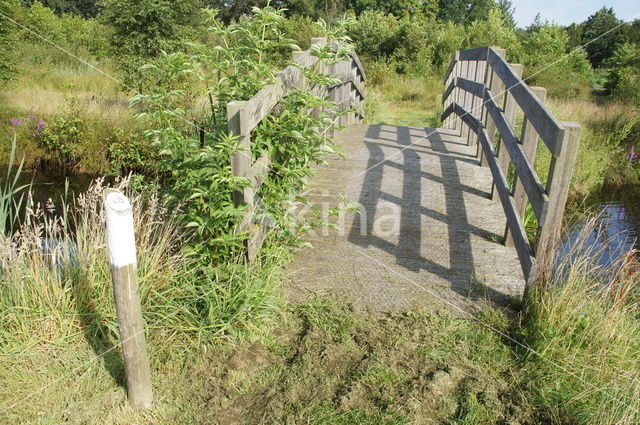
617 229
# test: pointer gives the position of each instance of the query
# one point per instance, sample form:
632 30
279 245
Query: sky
566 12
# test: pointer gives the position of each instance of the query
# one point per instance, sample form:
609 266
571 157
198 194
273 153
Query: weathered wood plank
477 54
241 159
530 180
452 66
558 184
348 78
473 87
356 60
447 91
494 84
529 140
509 113
547 126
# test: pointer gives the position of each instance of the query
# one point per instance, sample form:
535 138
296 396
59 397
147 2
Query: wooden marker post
122 253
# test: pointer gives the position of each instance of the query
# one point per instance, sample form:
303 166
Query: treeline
404 36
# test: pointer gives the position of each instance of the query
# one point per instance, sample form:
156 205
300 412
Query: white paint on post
120 234
122 253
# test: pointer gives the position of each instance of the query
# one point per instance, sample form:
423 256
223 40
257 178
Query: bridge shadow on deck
426 176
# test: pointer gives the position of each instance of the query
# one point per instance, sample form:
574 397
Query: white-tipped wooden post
122 253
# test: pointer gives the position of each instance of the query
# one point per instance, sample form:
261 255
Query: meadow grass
404 100
584 323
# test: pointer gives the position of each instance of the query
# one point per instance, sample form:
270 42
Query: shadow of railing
407 245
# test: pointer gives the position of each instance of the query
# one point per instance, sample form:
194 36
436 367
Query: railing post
492 81
509 109
558 183
461 71
241 159
451 121
241 163
529 140
478 101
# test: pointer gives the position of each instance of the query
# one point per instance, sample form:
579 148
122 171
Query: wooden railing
482 96
243 117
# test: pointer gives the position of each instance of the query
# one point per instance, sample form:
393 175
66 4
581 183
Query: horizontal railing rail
243 117
482 96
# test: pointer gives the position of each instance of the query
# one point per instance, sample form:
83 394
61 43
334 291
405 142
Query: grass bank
321 362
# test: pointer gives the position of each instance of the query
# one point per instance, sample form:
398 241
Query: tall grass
585 325
57 316
9 191
608 130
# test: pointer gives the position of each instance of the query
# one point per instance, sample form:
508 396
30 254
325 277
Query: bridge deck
428 230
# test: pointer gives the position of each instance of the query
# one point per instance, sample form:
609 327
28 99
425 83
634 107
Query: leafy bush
624 77
375 34
494 31
143 30
8 30
301 29
131 153
197 173
60 140
547 63
73 33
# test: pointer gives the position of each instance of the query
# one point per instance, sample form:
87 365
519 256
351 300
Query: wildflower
16 122
39 126
633 155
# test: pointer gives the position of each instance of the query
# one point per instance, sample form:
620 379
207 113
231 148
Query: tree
507 9
315 9
465 11
8 54
494 31
624 77
142 30
633 33
84 8
603 33
399 8
547 63
575 33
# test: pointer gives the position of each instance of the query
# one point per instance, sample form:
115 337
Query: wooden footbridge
439 210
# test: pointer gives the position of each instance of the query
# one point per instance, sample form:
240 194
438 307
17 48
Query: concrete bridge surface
428 233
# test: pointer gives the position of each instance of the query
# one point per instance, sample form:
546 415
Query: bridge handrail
243 117
474 94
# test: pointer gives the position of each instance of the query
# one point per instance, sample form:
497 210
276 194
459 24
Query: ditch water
617 228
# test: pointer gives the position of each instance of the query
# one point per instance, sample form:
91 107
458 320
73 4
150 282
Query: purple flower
39 126
633 155
16 122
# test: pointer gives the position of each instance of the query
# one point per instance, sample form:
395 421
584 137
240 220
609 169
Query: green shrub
547 64
375 34
196 173
8 32
60 139
624 76
414 51
82 37
143 30
494 31
301 29
446 39
131 153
